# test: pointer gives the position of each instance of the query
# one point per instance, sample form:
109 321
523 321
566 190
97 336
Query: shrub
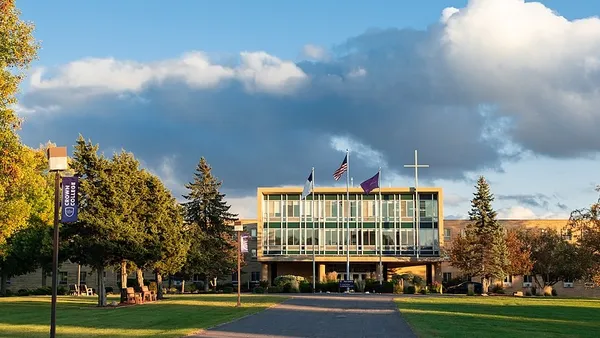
410 290
228 289
554 293
497 288
418 281
331 276
305 287
258 289
424 291
193 288
359 285
199 285
9 293
173 290
152 287
109 289
528 293
61 290
398 289
533 290
275 289
43 291
264 283
23 292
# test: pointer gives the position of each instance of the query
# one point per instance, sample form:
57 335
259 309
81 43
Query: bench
133 297
147 294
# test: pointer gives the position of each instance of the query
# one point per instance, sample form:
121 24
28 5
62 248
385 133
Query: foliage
410 290
360 285
18 175
482 251
264 283
213 247
258 290
554 259
519 253
586 222
398 288
306 287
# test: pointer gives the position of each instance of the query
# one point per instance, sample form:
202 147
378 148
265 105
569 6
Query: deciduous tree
585 223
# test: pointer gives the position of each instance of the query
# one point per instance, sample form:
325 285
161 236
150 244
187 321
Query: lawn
461 316
79 317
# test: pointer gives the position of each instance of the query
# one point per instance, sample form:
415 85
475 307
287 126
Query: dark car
463 288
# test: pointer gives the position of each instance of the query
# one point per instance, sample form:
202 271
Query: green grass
461 316
79 317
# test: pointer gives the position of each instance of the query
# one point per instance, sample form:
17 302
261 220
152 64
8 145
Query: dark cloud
404 103
531 200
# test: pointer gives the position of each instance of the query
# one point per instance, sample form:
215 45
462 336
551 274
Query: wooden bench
147 294
133 297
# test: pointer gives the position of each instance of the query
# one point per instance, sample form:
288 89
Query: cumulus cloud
471 92
314 52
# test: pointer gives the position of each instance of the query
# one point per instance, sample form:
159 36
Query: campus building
290 229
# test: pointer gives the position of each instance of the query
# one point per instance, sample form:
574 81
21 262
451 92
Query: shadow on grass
501 316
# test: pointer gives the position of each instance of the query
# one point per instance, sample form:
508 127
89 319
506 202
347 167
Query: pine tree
483 251
213 247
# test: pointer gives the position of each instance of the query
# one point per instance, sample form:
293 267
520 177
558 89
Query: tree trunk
123 274
159 285
485 284
140 277
206 284
182 285
101 289
3 279
44 278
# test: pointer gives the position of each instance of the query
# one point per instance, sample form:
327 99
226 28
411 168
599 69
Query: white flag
307 186
244 244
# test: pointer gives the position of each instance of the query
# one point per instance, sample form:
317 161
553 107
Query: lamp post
57 162
238 227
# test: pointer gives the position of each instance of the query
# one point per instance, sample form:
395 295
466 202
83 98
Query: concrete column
264 273
437 267
379 271
322 274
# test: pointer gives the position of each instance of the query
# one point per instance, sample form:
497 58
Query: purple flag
69 199
244 247
370 184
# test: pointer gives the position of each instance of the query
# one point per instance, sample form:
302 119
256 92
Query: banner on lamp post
69 199
244 247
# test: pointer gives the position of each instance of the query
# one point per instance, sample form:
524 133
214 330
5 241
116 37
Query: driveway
321 315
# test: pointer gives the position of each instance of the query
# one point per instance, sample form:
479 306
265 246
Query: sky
266 90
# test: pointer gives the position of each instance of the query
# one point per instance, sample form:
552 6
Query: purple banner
69 199
370 184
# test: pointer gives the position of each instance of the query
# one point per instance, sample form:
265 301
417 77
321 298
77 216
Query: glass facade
291 226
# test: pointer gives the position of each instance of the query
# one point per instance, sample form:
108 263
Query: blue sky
488 90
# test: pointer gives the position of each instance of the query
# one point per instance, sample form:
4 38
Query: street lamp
238 227
57 162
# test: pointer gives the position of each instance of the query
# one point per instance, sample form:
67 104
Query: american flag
342 169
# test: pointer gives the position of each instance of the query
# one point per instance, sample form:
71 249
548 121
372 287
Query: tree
17 49
554 259
519 252
483 251
91 240
211 231
166 244
31 206
586 222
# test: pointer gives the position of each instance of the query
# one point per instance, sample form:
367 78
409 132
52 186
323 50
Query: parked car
463 288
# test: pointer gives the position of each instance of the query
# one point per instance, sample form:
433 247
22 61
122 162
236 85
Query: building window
255 277
407 210
62 277
292 209
508 281
83 277
234 277
274 209
447 234
447 276
253 233
253 253
293 237
568 283
527 281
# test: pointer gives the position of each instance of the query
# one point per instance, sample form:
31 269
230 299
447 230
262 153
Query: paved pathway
321 315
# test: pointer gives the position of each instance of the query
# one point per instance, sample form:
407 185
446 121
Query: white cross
416 166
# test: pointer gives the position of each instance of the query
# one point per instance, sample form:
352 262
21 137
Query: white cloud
358 72
244 207
516 212
258 71
315 52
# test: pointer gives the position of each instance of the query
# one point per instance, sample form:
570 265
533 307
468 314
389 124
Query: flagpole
313 229
380 230
348 216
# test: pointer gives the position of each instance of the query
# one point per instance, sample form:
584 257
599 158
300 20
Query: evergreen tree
483 251
213 246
